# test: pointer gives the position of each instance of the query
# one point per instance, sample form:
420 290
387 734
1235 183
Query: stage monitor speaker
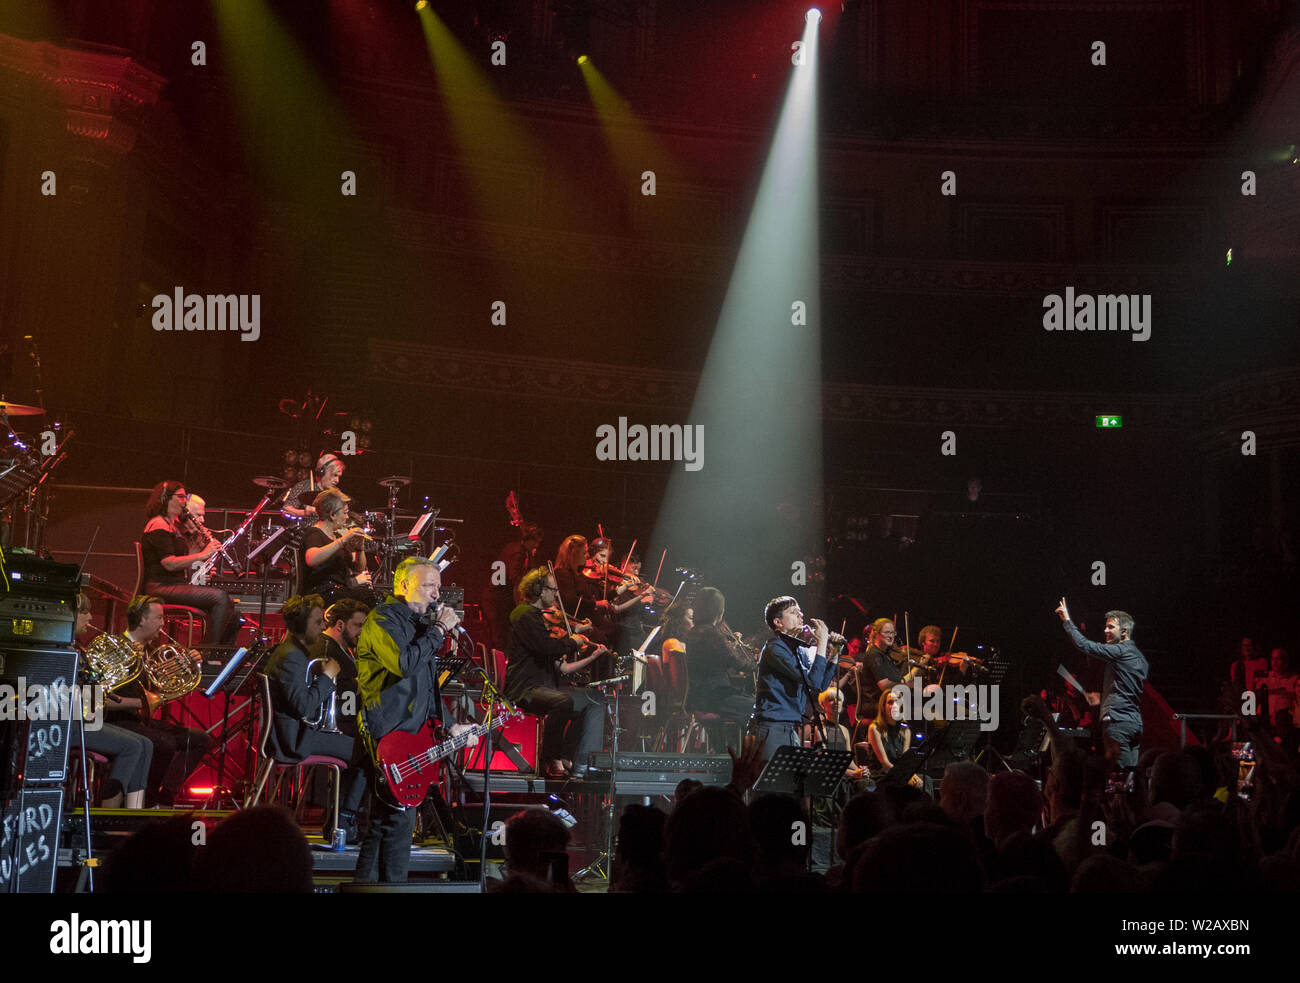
37 684
29 840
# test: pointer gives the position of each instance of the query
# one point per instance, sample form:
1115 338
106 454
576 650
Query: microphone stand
492 696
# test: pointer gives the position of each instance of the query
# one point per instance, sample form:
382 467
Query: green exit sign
1109 422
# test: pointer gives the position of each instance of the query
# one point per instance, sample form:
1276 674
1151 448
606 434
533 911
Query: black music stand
908 764
803 771
234 676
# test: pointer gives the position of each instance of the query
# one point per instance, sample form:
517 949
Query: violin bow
559 598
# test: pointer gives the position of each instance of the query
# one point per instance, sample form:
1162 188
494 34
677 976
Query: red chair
268 765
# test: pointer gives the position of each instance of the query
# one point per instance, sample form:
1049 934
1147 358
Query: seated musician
330 566
837 738
878 660
177 750
300 500
168 561
343 621
711 659
575 720
678 621
888 739
608 592
131 753
299 695
570 559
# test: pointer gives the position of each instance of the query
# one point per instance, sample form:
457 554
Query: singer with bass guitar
397 673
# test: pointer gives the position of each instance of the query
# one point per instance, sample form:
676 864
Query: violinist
879 660
570 560
710 653
792 670
608 589
534 667
329 566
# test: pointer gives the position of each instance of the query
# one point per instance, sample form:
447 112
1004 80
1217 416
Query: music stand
232 678
908 764
803 771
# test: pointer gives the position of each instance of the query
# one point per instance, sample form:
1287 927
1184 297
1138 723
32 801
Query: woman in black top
167 561
328 565
889 738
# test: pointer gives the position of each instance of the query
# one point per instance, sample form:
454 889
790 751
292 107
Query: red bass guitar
410 763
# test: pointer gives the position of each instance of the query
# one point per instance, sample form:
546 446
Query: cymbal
18 409
270 482
395 481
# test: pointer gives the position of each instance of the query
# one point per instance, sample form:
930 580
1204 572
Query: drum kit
277 534
24 469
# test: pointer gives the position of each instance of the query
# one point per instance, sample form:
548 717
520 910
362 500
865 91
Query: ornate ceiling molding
103 91
516 377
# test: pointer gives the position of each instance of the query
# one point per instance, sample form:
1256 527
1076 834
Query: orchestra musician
535 665
711 656
570 560
167 562
609 591
517 558
343 621
195 529
791 673
300 500
299 695
835 736
888 739
330 566
397 672
878 659
131 753
177 750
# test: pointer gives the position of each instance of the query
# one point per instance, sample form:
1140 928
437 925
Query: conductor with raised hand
1126 671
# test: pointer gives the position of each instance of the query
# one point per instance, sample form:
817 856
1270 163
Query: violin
611 575
806 634
900 653
559 628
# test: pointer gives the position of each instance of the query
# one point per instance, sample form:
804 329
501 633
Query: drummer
333 565
300 501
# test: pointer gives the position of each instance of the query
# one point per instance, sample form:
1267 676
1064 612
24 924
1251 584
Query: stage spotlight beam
752 515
